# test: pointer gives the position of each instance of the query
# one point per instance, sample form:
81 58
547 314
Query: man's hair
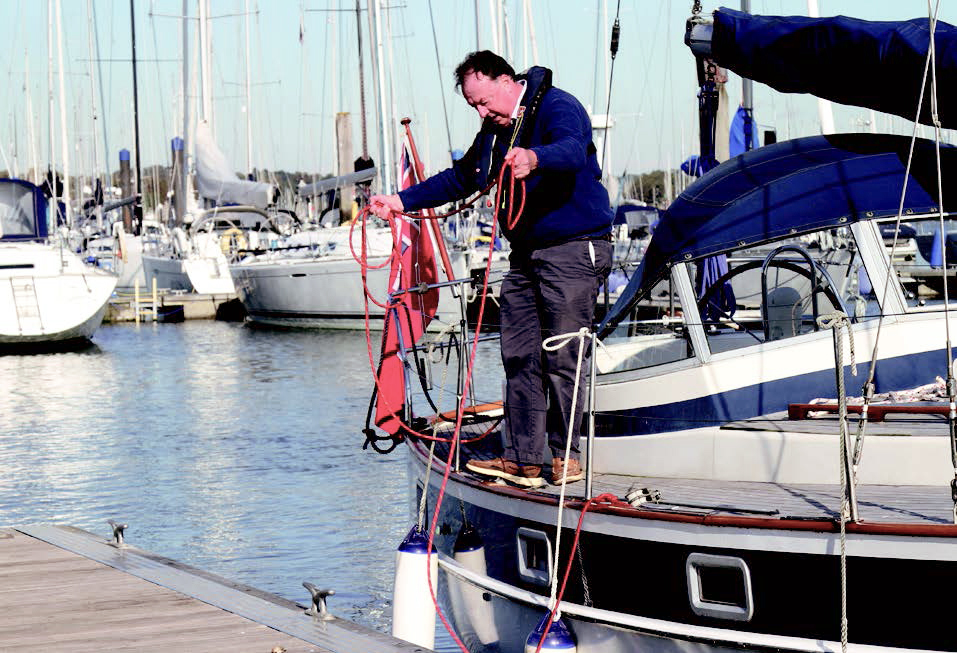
484 61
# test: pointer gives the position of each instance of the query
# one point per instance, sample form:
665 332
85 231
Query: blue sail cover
789 188
23 211
874 64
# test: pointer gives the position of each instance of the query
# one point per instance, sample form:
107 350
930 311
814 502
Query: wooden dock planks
55 599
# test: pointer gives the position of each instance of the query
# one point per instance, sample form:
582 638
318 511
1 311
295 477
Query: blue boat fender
559 639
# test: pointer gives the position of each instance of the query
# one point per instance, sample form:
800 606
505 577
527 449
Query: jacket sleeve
566 131
451 184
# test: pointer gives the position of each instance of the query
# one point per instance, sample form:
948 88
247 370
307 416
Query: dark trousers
548 291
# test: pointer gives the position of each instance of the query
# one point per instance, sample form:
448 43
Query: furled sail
216 180
873 64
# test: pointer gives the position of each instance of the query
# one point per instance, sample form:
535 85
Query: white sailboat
47 295
197 257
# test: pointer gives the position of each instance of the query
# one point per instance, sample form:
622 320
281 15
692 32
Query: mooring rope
838 321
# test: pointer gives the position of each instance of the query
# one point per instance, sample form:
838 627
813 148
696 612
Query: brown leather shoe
575 472
524 475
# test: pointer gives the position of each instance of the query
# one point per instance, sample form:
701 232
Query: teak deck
62 589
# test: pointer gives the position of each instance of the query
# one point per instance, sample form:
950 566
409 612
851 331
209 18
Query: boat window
16 211
654 334
918 254
719 586
534 556
758 294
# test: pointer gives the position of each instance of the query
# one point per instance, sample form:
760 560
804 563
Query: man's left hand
522 161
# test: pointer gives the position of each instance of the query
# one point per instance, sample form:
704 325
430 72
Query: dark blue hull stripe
760 399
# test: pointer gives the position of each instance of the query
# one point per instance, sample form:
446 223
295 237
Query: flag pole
433 224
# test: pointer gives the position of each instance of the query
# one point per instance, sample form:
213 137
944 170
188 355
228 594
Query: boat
725 506
918 248
310 278
48 296
197 258
197 255
121 252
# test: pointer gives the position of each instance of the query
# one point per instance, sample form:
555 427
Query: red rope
601 498
512 216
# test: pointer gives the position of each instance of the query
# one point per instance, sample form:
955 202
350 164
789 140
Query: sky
303 69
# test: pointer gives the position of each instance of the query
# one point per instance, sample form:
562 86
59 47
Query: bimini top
875 64
23 211
785 189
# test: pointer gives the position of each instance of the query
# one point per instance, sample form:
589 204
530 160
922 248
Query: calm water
232 449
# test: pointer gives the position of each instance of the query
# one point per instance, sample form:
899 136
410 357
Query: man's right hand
385 205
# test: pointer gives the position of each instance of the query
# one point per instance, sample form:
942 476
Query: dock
172 306
65 589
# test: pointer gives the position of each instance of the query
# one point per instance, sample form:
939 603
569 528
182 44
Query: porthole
719 587
534 556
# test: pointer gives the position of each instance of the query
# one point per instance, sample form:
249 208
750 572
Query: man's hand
385 205
523 161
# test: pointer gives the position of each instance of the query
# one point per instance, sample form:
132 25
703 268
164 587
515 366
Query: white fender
471 607
413 611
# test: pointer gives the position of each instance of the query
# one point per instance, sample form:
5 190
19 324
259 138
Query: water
231 449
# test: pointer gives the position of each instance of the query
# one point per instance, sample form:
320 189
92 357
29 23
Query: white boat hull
202 275
167 272
47 295
323 292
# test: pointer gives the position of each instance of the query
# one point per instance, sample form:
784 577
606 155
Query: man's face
490 96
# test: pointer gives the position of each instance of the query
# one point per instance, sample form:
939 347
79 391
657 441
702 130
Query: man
561 251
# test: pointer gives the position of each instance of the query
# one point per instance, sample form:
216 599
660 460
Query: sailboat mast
184 168
249 120
64 147
31 130
51 129
362 84
385 124
747 97
96 159
138 204
824 112
204 65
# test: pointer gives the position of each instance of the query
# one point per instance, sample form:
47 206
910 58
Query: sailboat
48 297
722 509
197 257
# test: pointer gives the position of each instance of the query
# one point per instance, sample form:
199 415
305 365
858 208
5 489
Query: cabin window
654 334
719 587
16 211
764 293
918 253
534 556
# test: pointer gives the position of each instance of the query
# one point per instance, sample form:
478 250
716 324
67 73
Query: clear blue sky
298 85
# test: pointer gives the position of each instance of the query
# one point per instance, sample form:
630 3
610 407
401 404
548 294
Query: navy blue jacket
565 199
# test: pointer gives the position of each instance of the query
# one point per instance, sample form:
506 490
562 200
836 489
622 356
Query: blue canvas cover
874 64
785 189
23 211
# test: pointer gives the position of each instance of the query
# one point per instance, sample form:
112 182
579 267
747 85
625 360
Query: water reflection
232 449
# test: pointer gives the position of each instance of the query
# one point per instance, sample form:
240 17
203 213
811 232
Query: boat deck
877 504
63 589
